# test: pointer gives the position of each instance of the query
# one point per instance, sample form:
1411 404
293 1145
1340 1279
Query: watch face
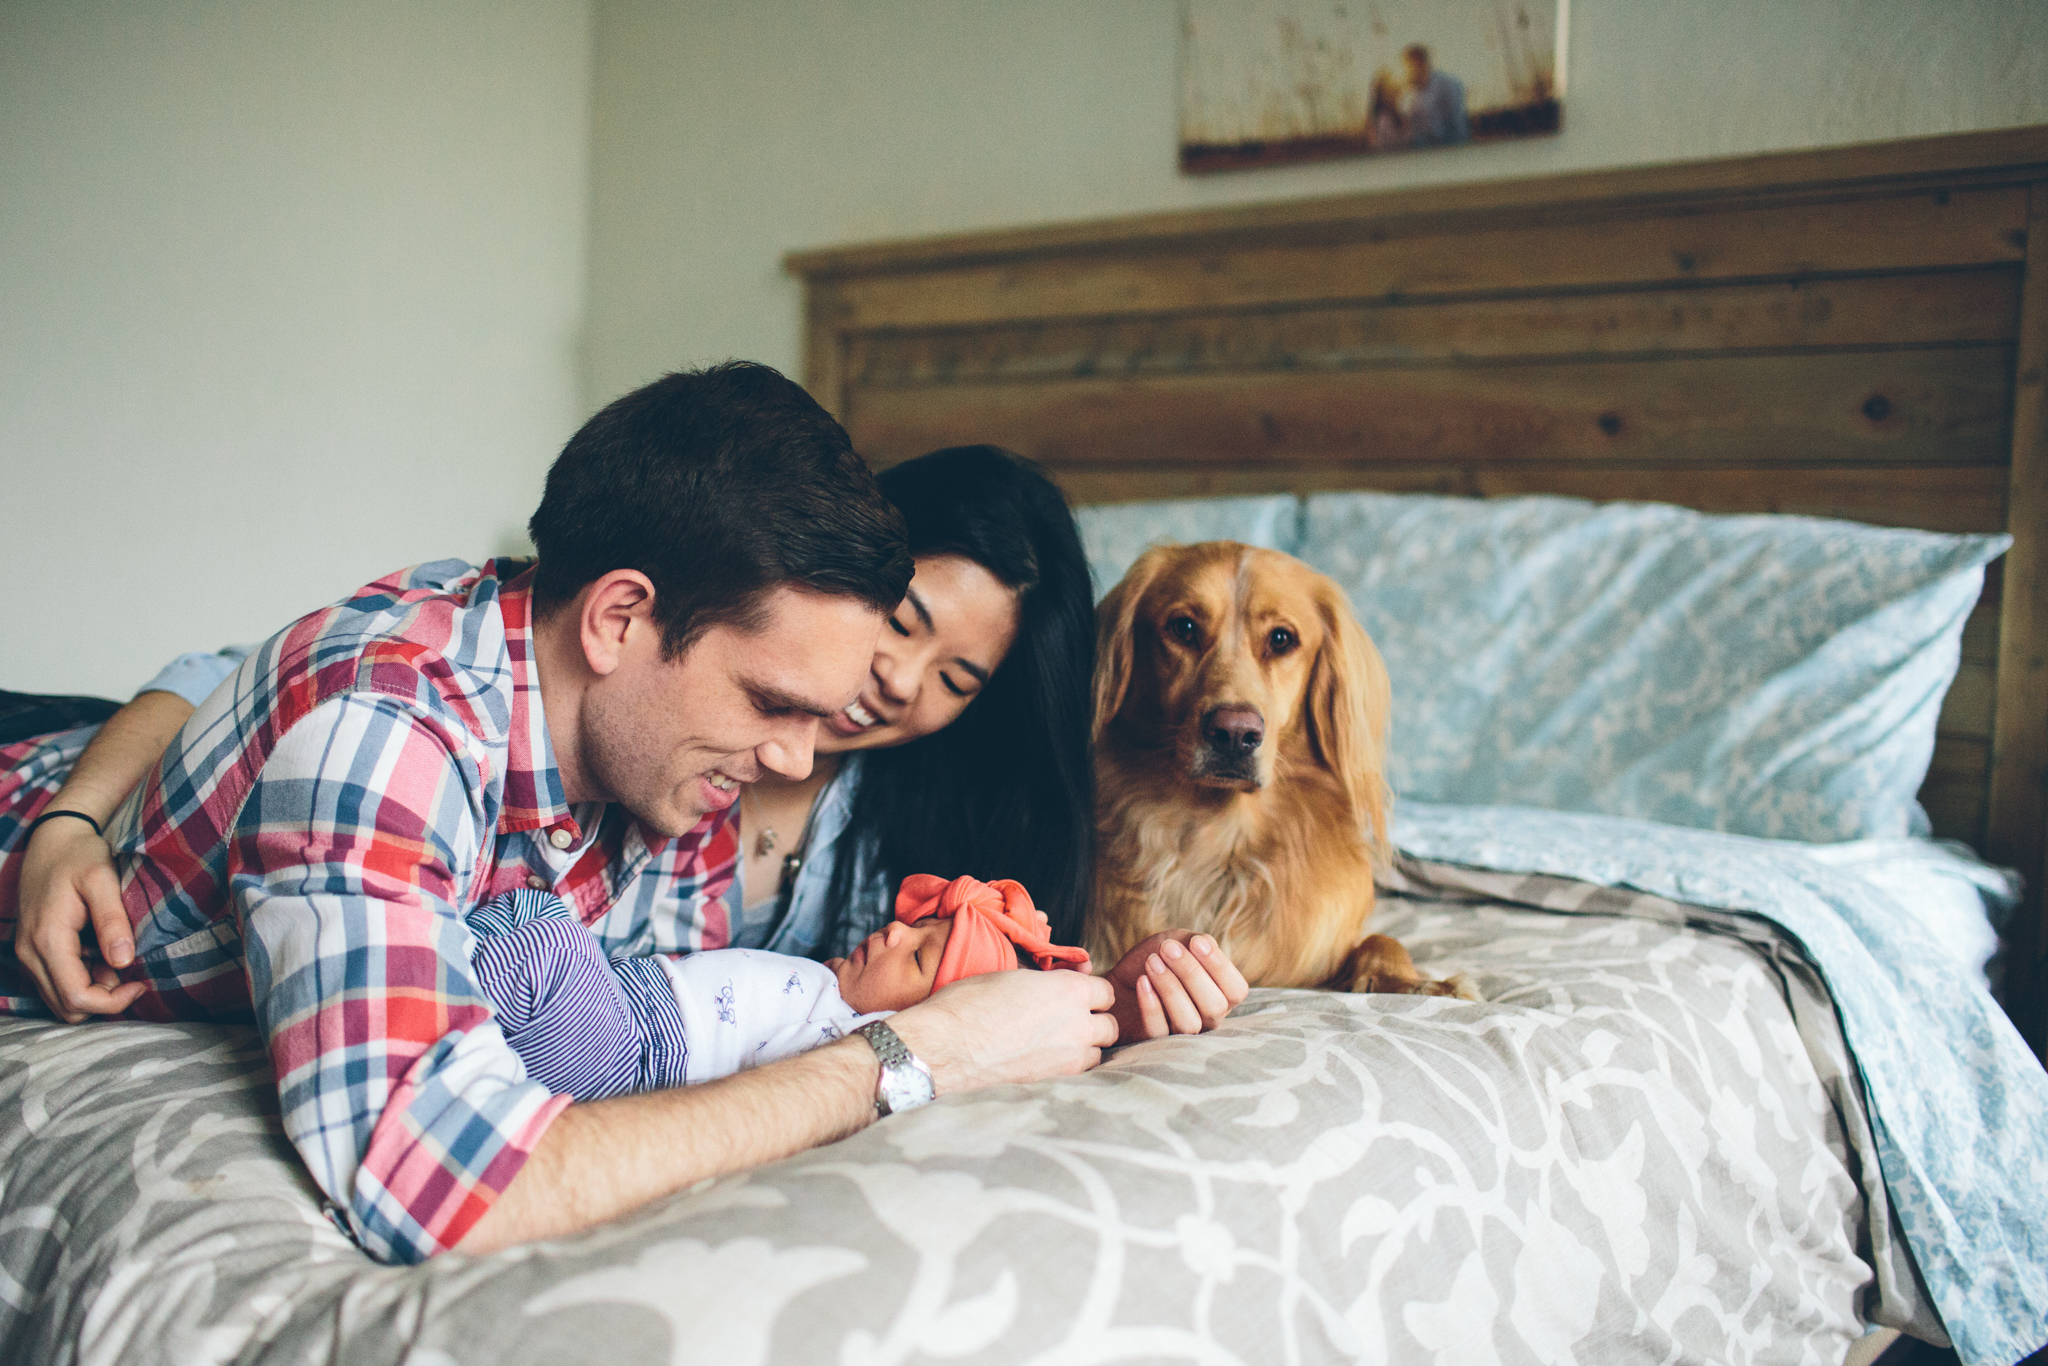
905 1083
905 1087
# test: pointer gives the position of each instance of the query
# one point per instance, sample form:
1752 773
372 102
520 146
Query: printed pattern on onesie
746 1007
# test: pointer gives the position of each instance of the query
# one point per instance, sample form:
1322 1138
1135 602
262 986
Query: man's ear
615 611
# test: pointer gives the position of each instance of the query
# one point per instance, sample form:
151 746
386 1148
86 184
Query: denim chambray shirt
795 923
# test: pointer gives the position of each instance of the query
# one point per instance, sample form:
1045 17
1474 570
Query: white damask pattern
1961 1104
1628 1151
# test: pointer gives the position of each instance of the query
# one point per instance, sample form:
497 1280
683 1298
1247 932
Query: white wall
726 134
292 294
289 296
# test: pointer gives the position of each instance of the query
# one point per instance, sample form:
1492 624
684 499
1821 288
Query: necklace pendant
765 843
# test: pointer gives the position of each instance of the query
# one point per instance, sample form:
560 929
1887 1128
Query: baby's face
894 967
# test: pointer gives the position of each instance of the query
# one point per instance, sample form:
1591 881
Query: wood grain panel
1954 791
2000 156
1908 407
1969 228
1967 710
1969 498
1980 632
825 347
1893 311
2017 822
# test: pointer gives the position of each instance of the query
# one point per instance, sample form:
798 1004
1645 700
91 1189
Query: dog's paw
1401 984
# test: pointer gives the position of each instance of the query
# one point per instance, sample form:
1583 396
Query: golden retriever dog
1240 747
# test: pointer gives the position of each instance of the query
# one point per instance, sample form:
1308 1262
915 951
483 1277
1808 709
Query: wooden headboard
1858 332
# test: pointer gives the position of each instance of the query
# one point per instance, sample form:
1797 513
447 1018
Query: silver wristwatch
906 1082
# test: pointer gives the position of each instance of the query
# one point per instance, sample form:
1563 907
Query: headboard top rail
1965 160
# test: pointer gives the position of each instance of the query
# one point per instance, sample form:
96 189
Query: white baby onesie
745 1007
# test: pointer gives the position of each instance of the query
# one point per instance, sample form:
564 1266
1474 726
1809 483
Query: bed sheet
1959 1103
1962 901
1641 1146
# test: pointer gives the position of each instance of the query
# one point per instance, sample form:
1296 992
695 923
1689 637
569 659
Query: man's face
1418 71
674 739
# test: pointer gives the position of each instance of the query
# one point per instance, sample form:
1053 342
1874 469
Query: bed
1683 1122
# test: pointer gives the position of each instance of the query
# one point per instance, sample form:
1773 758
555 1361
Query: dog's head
1230 662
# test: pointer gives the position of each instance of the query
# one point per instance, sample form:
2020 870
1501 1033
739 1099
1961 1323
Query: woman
1389 127
967 751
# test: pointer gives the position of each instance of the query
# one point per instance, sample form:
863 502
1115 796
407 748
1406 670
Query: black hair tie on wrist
53 815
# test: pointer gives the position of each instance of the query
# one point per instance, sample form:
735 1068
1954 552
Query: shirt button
561 839
537 882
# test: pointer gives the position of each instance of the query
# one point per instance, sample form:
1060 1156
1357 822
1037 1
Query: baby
590 1027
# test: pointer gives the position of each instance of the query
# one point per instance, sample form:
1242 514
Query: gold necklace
765 842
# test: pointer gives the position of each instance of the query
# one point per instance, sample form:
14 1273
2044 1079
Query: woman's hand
68 880
1177 982
67 871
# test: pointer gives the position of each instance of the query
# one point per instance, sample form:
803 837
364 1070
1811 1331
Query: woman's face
936 653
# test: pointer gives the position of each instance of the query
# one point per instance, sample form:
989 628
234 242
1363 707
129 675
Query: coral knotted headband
991 921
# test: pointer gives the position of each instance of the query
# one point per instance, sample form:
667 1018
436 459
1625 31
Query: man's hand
1176 982
67 878
1010 1026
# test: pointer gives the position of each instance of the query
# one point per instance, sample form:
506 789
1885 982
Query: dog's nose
1234 730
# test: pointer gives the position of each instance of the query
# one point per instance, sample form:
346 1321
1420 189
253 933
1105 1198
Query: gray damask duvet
1645 1144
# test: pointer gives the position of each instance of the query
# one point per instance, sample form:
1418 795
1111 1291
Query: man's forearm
127 746
601 1160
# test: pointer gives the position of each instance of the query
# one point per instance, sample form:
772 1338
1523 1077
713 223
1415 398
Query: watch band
906 1082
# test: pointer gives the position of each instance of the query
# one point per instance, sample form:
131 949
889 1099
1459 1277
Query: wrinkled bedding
1646 1143
1959 1103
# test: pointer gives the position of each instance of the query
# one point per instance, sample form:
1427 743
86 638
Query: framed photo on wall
1267 82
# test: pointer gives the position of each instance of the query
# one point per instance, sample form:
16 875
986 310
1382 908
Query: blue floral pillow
1115 534
1776 676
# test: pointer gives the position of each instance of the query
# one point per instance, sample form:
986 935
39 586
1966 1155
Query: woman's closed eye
898 627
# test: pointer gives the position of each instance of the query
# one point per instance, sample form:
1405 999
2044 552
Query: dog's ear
1348 704
1114 621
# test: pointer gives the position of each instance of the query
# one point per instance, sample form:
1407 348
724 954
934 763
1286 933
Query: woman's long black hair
1007 789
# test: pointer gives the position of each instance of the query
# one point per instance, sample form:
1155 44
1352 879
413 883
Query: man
1436 110
715 564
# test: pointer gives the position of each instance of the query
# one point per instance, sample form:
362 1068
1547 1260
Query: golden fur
1271 849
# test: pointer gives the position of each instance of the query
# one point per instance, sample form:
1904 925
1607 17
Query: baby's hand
1178 982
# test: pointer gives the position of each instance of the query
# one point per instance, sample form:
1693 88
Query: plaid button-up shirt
306 852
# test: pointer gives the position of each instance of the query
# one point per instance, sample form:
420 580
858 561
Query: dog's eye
1182 629
1280 640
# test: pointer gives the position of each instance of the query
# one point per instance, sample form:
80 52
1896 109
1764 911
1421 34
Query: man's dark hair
719 485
